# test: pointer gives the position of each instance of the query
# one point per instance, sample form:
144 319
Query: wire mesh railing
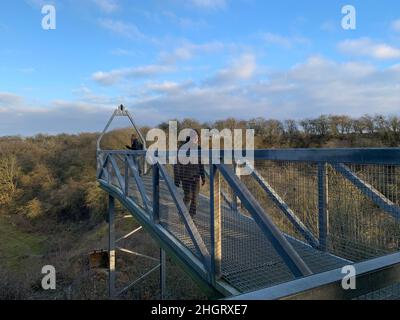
359 227
330 208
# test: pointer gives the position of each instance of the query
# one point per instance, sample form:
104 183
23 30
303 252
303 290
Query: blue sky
202 59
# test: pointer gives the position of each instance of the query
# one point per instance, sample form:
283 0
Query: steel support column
163 274
126 176
156 194
215 223
235 199
323 217
111 246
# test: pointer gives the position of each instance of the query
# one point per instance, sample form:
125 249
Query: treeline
324 131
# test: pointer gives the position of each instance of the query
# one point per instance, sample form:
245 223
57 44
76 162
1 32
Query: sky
202 59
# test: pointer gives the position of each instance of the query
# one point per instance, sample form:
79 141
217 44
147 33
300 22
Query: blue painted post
163 274
156 194
215 223
111 246
235 199
126 176
109 178
323 217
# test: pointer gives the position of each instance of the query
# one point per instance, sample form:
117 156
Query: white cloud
309 89
68 118
396 25
117 75
367 47
185 22
283 41
167 87
10 100
87 96
189 50
108 6
121 28
179 54
88 113
317 86
241 69
321 86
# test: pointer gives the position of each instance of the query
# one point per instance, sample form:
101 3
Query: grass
18 247
24 252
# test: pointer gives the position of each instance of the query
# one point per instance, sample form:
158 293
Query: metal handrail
378 156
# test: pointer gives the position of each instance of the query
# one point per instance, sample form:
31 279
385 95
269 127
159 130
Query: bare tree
8 178
368 124
394 124
307 126
321 126
291 128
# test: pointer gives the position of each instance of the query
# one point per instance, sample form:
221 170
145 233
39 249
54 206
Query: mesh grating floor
389 293
246 272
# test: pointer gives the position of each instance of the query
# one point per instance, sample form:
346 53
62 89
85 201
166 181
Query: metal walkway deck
265 269
297 219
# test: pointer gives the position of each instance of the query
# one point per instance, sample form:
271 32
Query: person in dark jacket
136 145
188 176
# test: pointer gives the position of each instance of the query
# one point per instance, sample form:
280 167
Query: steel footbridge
284 232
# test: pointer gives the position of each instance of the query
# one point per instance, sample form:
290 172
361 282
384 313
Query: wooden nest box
99 259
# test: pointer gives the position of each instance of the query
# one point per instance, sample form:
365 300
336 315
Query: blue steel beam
282 246
383 156
139 183
187 219
156 195
111 246
120 180
229 202
378 198
282 205
103 164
